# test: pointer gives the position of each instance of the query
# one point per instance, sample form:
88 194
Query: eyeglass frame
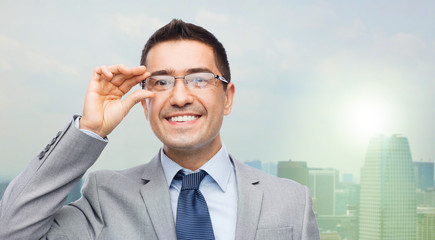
215 76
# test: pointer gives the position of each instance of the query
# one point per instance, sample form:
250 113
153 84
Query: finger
127 73
119 69
137 70
136 97
131 82
110 71
104 72
116 69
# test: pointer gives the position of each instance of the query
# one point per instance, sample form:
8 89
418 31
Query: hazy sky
314 79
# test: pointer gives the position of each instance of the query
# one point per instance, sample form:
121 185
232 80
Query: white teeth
184 118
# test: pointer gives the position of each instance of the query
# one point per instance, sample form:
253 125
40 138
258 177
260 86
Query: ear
144 103
229 95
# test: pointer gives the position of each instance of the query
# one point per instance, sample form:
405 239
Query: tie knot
190 181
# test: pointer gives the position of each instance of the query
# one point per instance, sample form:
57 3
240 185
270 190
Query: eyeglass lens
165 82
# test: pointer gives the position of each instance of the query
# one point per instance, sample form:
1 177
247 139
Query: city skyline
396 198
314 80
266 166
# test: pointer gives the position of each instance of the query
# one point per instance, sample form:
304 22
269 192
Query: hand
104 108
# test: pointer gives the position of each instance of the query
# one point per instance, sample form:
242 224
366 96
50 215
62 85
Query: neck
193 158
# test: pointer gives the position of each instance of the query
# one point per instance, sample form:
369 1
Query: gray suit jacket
134 203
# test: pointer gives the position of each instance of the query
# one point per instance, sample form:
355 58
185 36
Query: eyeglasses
200 80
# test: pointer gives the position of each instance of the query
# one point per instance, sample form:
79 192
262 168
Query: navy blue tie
193 218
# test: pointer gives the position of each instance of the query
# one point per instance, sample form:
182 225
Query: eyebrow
188 71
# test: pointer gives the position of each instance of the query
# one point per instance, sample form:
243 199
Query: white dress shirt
219 188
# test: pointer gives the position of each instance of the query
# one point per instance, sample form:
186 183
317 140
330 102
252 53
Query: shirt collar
219 167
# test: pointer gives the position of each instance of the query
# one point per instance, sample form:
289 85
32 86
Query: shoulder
103 185
113 178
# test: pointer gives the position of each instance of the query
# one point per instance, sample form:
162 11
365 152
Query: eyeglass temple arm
222 79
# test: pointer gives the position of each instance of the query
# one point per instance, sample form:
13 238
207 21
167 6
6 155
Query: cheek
214 105
155 105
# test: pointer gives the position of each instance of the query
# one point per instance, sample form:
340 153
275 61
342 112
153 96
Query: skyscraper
387 197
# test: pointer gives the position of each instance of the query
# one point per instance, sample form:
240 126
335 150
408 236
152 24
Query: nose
180 94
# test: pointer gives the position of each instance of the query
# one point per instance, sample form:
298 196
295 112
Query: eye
159 81
199 79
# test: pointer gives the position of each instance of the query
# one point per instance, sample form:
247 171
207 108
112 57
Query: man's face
202 109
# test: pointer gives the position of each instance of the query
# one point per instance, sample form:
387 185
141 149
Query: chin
183 145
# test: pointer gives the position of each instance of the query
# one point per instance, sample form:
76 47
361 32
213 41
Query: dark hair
179 30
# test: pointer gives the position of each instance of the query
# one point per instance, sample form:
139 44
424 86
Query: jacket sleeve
82 219
33 198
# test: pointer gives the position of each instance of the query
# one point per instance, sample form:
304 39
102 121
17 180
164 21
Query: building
387 194
346 196
425 198
255 164
270 167
297 171
330 236
346 226
347 178
424 175
425 223
322 184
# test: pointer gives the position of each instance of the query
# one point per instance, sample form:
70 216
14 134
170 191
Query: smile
185 118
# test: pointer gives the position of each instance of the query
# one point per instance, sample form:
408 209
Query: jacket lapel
249 203
155 194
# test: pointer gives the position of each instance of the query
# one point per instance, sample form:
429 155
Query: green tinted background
314 79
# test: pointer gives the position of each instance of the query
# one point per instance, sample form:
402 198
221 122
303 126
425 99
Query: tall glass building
387 197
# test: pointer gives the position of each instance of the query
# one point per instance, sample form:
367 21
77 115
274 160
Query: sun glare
363 118
368 118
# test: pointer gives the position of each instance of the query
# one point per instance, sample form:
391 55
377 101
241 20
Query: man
187 90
